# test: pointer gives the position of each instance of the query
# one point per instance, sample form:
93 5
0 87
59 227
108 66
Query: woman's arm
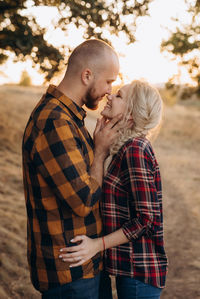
89 247
141 178
138 179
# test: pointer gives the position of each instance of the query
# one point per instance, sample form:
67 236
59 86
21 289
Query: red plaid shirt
132 200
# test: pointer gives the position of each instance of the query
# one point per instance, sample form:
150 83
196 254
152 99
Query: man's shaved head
92 68
91 54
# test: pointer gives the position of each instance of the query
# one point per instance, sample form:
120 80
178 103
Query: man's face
101 85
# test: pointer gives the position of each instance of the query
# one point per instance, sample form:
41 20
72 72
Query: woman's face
116 103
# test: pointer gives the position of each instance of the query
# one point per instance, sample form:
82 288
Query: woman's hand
81 253
100 124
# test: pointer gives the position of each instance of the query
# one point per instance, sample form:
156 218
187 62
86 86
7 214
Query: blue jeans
127 288
105 288
78 289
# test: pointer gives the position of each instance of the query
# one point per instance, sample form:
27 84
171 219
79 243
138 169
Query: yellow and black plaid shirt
61 196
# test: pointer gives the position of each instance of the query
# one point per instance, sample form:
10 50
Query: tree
185 43
21 34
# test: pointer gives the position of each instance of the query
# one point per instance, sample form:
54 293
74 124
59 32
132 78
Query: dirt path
182 245
178 153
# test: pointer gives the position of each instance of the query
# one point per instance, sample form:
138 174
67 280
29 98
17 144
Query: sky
141 59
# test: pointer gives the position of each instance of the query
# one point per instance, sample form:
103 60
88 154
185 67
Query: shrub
25 79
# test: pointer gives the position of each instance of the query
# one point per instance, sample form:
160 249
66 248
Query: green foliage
21 34
25 79
179 42
185 43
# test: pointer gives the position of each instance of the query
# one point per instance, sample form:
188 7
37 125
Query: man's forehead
111 77
112 71
109 71
111 59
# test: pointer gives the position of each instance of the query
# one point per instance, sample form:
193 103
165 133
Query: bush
25 79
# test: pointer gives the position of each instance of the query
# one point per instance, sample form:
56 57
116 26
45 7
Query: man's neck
72 91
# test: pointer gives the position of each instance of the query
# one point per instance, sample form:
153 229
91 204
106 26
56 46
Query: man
63 172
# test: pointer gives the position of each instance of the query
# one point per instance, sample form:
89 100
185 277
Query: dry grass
177 149
16 104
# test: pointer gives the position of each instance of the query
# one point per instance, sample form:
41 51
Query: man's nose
109 90
109 97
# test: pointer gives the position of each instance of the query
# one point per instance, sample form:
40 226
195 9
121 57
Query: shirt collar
72 106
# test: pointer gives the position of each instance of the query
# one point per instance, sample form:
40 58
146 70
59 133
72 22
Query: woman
131 204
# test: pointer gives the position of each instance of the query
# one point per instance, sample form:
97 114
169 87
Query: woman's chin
106 114
103 113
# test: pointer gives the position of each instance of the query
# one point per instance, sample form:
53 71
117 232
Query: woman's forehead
125 88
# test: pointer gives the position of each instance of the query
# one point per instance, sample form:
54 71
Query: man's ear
86 76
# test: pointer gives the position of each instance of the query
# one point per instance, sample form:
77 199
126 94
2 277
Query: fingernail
61 250
72 240
60 256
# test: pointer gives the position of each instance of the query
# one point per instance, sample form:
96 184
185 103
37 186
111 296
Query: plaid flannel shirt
132 200
62 199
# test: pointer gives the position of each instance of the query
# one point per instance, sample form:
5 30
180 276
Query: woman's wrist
103 242
100 244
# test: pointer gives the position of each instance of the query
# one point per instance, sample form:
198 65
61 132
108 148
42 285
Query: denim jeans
78 289
127 288
105 288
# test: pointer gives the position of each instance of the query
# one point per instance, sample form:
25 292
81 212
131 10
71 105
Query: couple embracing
94 205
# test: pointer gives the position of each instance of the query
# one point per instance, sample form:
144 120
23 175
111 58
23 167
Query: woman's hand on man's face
100 124
105 134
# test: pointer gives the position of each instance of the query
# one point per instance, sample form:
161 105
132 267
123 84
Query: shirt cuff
133 229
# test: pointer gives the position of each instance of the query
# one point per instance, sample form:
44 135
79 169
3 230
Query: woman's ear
86 76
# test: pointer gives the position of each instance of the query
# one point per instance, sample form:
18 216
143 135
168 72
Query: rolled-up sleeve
59 156
138 179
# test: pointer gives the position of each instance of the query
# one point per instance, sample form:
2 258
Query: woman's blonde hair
144 107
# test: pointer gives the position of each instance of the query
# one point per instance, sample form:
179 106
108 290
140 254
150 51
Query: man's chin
92 107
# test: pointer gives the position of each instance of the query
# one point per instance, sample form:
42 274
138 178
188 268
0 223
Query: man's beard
90 100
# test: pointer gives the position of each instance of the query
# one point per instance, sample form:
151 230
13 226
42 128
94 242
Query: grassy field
177 150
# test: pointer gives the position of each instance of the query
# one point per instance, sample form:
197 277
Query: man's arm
60 161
